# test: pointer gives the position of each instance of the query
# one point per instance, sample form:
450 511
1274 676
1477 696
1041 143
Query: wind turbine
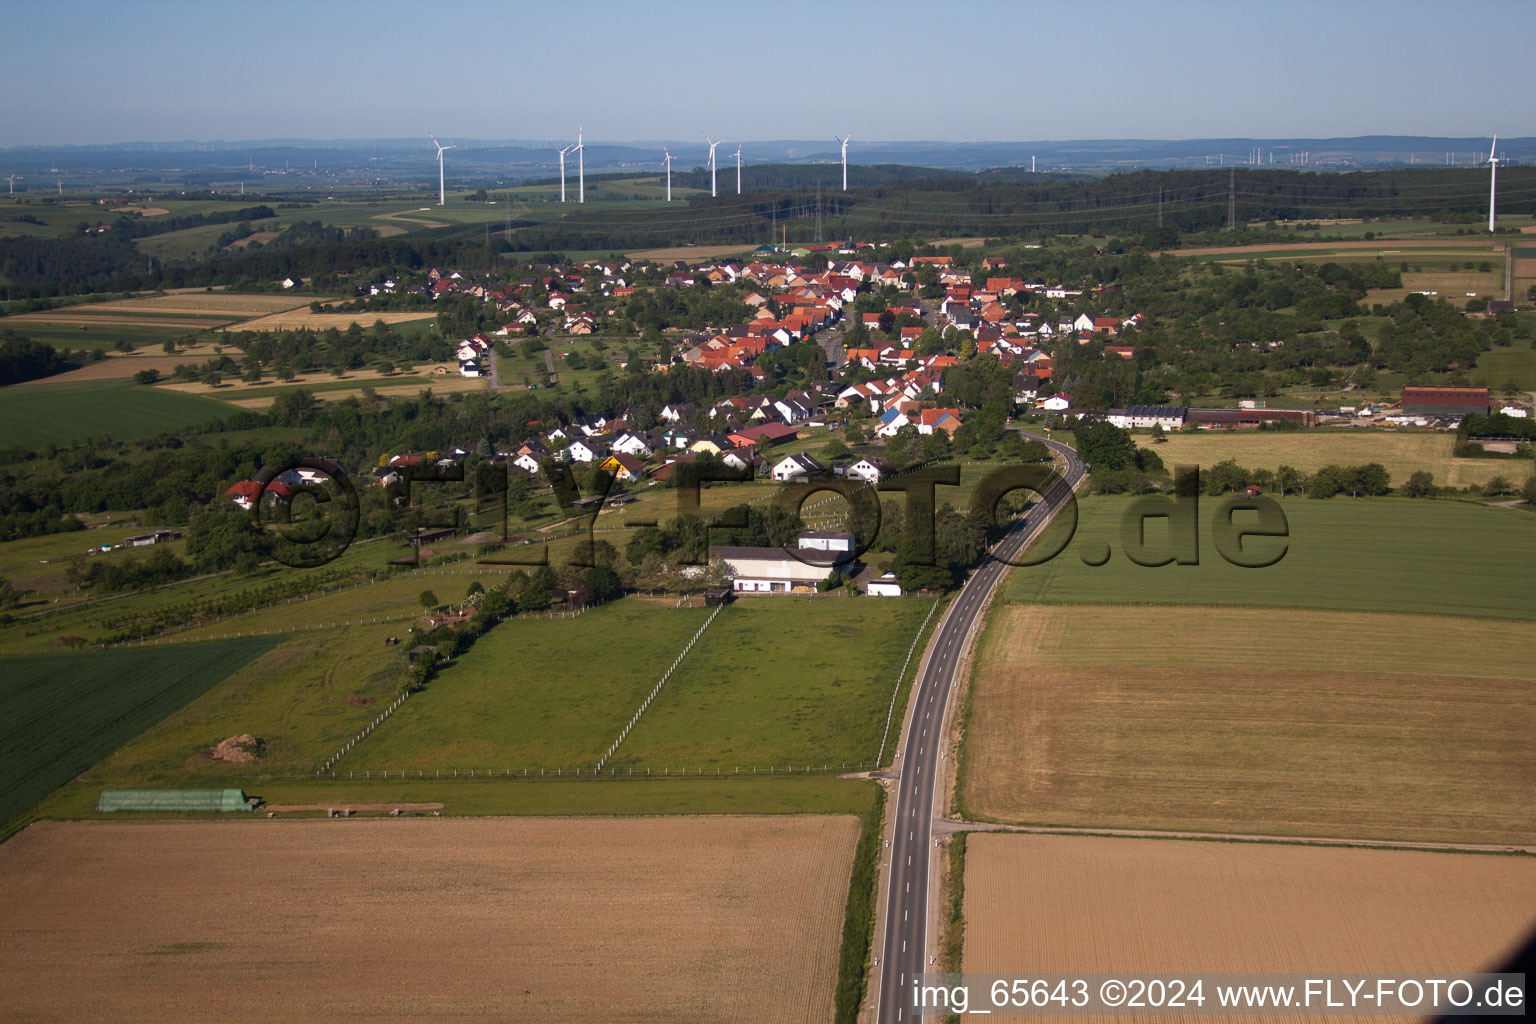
442 199
564 151
738 170
1493 181
712 145
581 168
844 141
12 180
668 163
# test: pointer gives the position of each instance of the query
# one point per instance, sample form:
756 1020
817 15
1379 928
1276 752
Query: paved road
903 952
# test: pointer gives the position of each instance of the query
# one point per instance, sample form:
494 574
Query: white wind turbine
12 180
581 168
564 151
442 199
712 145
844 141
1493 182
738 170
668 162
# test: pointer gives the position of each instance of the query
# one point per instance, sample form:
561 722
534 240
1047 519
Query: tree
428 599
1159 435
1421 485
1499 485
1104 445
224 537
1288 478
1528 490
384 367
604 582
146 376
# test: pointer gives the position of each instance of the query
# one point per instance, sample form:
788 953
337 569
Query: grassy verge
515 797
954 911
859 913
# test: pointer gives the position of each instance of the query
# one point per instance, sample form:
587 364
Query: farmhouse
1445 401
787 570
1169 417
870 470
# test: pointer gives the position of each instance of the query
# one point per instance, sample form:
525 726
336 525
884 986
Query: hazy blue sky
80 71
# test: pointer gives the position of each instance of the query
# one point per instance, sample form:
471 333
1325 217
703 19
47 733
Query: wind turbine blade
1494 148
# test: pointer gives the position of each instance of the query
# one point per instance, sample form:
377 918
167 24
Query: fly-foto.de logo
1010 503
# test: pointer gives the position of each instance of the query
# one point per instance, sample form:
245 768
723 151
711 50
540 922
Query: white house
885 585
797 467
526 462
1056 403
870 470
585 451
630 443
831 541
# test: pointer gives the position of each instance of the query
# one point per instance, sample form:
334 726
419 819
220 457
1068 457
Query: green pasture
64 335
1498 366
535 693
781 681
1370 554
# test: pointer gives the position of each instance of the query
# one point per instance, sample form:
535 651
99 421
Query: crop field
690 253
87 316
74 334
1420 246
781 680
1403 454
1139 906
535 693
207 302
1449 283
33 415
61 713
303 319
1255 721
642 919
1368 554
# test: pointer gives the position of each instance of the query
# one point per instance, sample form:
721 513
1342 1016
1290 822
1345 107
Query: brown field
1450 285
690 253
1402 453
1068 904
649 919
964 243
1255 721
199 301
261 236
300 319
250 397
148 211
75 319
120 366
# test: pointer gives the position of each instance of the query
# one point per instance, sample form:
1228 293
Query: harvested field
303 319
1403 454
197 300
648 919
413 221
1251 721
115 367
260 237
72 319
1128 906
382 386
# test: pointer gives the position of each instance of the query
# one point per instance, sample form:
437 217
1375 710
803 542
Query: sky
100 71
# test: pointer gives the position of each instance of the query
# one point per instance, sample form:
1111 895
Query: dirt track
384 919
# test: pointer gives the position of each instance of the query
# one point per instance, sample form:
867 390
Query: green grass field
108 336
776 681
1382 554
1498 366
36 414
64 712
535 693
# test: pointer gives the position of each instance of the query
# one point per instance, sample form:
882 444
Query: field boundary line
896 690
624 732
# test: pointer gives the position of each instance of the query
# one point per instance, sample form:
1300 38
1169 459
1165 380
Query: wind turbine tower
12 180
668 163
712 145
738 170
1493 182
442 198
581 168
844 141
564 151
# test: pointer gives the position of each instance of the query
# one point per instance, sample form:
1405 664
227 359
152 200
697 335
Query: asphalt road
904 951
